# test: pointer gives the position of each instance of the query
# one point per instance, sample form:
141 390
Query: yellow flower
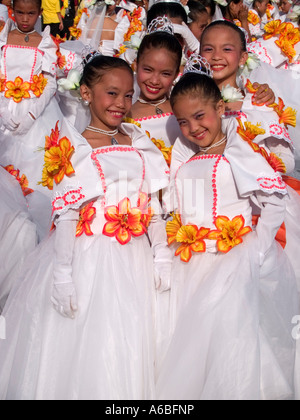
123 222
58 160
229 232
75 32
38 85
286 48
253 18
160 144
22 180
2 82
173 227
47 179
17 90
86 216
286 116
249 131
191 239
273 28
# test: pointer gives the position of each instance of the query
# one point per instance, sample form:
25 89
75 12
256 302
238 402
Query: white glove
189 38
6 119
24 125
272 216
163 256
163 262
64 296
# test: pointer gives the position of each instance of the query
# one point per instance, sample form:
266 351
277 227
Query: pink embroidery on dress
33 66
270 184
70 198
279 131
261 51
154 117
70 62
235 114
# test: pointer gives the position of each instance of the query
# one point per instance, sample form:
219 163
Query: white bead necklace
106 133
26 34
206 149
158 110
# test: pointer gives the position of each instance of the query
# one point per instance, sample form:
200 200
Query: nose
193 126
120 102
154 79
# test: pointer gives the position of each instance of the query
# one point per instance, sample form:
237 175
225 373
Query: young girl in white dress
28 108
233 292
98 266
223 45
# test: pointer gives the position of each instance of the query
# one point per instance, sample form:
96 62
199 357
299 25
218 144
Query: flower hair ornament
161 24
72 82
198 64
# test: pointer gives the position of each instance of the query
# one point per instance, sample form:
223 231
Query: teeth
152 89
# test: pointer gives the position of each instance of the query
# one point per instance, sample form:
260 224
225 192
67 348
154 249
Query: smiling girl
98 265
223 270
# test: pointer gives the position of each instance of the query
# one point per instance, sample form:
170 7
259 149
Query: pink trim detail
153 117
235 114
279 131
261 51
270 184
68 199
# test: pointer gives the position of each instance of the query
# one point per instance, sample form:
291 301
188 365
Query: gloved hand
25 124
64 296
163 256
6 119
163 268
272 216
189 38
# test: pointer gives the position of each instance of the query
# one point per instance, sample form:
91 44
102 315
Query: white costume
27 122
107 351
228 342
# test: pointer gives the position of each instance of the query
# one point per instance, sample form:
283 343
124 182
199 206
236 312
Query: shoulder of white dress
9 26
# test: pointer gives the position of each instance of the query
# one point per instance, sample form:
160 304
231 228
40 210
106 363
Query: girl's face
221 46
198 26
199 120
110 99
235 9
26 14
262 7
285 6
156 72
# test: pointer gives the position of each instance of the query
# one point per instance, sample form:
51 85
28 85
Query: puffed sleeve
251 170
49 49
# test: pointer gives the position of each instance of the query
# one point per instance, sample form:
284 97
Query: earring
223 116
86 103
242 66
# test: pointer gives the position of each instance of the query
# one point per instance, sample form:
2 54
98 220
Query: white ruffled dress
231 313
108 351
